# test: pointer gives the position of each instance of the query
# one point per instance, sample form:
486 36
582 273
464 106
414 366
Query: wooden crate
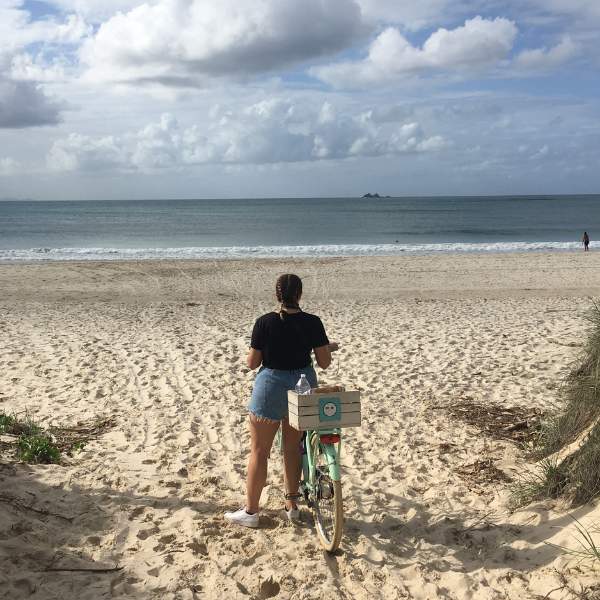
324 411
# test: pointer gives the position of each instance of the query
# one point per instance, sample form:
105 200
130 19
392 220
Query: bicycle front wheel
328 506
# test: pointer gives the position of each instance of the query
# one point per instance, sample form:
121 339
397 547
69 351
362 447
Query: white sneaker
241 517
292 515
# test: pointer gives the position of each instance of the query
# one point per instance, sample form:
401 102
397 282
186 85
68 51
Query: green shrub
36 444
38 449
76 447
15 426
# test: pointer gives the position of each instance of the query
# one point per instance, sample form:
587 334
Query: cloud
81 152
409 15
581 10
8 166
271 131
172 42
25 67
24 104
541 153
17 30
414 16
542 59
478 44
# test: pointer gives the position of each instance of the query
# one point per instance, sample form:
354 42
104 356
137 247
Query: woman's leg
292 460
262 434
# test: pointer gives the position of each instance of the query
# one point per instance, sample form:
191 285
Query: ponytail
288 290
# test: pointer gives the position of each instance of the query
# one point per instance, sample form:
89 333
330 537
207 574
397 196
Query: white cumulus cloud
480 43
27 67
18 30
184 43
542 59
86 153
271 131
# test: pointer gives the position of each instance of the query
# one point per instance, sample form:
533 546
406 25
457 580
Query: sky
117 99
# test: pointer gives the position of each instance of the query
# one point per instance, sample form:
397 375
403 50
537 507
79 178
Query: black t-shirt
287 343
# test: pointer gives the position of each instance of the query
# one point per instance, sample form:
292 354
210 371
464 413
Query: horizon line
381 197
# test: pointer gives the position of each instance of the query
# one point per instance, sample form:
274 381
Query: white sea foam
240 252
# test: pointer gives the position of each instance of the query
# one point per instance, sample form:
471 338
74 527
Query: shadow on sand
51 534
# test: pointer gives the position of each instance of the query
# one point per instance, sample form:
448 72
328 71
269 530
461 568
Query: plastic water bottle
303 386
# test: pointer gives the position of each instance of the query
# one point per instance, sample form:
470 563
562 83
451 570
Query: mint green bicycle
321 484
321 415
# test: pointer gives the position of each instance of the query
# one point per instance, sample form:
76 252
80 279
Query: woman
282 343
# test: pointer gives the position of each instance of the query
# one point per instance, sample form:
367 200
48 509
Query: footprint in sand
198 548
144 534
136 512
268 588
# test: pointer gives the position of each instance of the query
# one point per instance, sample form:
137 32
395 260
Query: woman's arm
323 356
254 358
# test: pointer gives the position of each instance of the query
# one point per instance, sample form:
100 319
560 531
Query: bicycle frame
309 479
332 453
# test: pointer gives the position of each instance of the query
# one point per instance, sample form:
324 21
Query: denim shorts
269 395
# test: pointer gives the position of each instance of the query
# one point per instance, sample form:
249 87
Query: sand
160 347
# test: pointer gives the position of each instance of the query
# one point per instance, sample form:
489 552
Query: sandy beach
159 347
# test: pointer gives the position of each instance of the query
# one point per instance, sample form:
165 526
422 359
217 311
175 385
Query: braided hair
288 290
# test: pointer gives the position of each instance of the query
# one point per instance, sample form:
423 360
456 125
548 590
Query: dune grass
6 422
581 392
575 476
588 548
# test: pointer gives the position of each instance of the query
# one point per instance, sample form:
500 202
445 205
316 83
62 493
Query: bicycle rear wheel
327 502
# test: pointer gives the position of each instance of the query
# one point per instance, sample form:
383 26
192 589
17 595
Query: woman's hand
334 346
254 358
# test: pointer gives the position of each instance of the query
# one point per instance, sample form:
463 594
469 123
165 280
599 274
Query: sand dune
160 347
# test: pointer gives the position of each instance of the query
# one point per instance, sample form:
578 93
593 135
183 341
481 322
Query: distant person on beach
585 240
282 342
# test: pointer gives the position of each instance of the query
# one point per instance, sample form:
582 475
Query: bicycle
321 484
321 415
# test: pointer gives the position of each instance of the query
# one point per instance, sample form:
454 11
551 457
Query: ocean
293 227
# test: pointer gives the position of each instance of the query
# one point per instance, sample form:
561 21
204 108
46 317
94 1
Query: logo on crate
330 409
